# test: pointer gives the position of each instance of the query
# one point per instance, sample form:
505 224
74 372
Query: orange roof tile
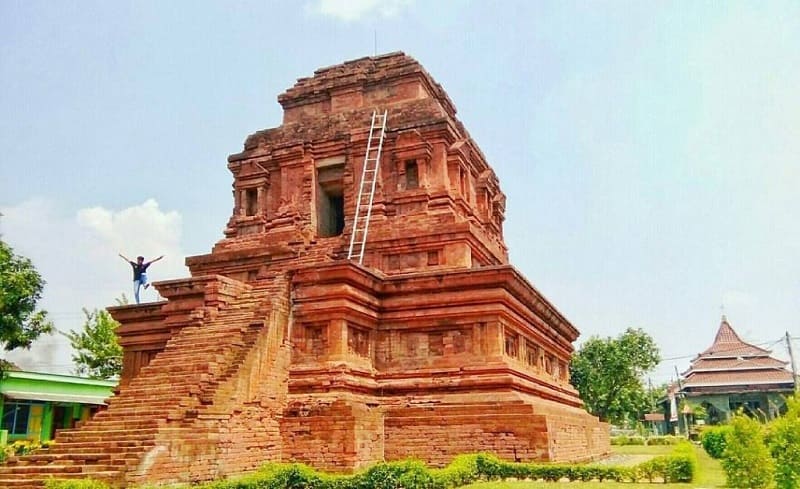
739 363
765 376
728 344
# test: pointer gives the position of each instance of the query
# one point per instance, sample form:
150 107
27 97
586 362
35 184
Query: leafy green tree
654 395
746 460
608 374
784 443
97 351
20 289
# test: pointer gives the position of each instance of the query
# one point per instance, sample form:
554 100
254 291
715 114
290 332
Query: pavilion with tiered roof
732 374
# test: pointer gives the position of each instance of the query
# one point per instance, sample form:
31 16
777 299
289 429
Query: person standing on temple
139 273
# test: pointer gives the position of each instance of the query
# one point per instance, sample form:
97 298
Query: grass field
710 474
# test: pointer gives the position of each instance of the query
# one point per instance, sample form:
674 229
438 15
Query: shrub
462 470
640 440
627 440
714 440
665 440
682 463
746 461
75 484
784 445
679 466
409 474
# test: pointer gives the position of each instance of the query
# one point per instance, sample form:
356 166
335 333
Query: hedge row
652 440
680 466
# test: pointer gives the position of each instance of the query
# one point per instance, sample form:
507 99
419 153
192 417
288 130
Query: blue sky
649 150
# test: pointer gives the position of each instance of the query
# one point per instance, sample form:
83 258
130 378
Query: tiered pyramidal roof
733 365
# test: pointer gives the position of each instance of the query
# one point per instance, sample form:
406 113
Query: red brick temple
279 348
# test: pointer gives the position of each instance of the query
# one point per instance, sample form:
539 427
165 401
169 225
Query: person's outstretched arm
155 260
125 258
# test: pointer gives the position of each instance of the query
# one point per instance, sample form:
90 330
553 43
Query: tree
608 374
20 289
784 444
746 459
97 351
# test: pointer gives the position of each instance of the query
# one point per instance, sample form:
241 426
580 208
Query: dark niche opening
330 201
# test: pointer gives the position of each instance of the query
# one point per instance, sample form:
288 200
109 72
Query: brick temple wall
279 348
335 433
437 434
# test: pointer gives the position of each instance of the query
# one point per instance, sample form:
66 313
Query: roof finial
722 310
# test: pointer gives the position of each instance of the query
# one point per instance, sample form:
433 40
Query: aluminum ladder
366 190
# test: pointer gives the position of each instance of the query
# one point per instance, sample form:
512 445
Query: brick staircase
162 402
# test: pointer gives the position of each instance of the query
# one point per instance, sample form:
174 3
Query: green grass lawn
710 474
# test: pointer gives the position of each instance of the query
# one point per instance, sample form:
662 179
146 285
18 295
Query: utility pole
791 358
682 396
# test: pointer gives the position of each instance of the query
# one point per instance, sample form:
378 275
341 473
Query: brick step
17 483
157 395
111 446
173 377
109 434
125 433
126 421
166 384
33 481
125 398
197 363
87 453
111 424
113 429
238 323
131 411
233 322
130 401
140 412
57 469
163 364
67 458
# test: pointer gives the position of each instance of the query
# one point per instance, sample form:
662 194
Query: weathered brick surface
278 348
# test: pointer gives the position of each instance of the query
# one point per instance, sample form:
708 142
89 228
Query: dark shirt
138 269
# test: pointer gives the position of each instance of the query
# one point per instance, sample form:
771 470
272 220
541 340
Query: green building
34 405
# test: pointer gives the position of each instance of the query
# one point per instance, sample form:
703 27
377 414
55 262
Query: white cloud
77 256
352 10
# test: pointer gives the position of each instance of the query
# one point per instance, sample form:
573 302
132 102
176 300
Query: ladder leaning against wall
366 189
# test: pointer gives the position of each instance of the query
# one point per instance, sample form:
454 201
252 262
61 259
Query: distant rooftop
728 344
731 363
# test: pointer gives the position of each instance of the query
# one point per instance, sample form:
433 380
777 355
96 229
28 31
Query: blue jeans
138 283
